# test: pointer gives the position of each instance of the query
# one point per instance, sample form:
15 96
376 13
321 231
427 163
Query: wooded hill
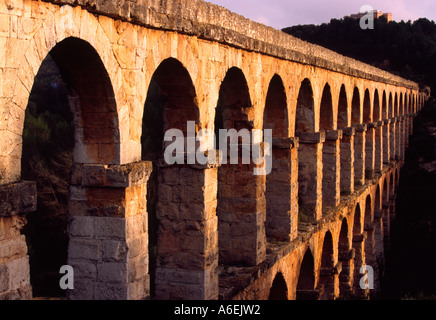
407 49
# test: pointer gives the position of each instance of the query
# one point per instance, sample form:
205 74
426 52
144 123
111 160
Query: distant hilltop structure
377 14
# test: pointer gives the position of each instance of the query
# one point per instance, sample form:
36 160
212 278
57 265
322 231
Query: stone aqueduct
340 131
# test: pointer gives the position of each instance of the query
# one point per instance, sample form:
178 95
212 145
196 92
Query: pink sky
284 13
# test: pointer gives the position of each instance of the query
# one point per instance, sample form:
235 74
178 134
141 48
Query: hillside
407 49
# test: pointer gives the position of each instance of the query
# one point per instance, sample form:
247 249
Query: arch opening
71 119
306 278
279 288
344 254
327 274
170 104
309 182
239 191
355 107
343 109
330 153
326 121
278 182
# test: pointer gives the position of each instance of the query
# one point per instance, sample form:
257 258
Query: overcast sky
284 13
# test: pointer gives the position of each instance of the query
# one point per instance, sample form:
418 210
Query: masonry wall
109 230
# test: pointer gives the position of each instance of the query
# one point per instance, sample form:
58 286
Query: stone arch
378 200
68 23
309 152
305 114
370 143
390 106
359 140
377 113
346 175
401 106
368 211
241 197
384 113
327 272
343 109
278 182
326 122
306 278
369 228
378 134
393 101
358 246
345 257
279 288
92 101
367 116
276 113
93 106
330 152
173 203
355 107
177 89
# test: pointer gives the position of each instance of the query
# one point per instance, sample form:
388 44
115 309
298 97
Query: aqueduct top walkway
340 130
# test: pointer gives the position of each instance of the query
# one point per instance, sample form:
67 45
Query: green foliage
36 134
46 134
404 48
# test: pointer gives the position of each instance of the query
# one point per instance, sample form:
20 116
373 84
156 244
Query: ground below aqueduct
411 261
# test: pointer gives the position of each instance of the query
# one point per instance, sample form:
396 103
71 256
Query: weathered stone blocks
188 233
108 244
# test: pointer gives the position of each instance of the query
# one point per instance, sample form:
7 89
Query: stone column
108 231
331 187
379 250
386 142
370 245
398 135
310 167
16 200
187 244
359 154
378 160
393 139
329 282
359 260
370 150
347 161
346 277
403 138
282 191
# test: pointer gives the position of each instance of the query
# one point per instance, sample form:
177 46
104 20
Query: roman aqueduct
340 131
